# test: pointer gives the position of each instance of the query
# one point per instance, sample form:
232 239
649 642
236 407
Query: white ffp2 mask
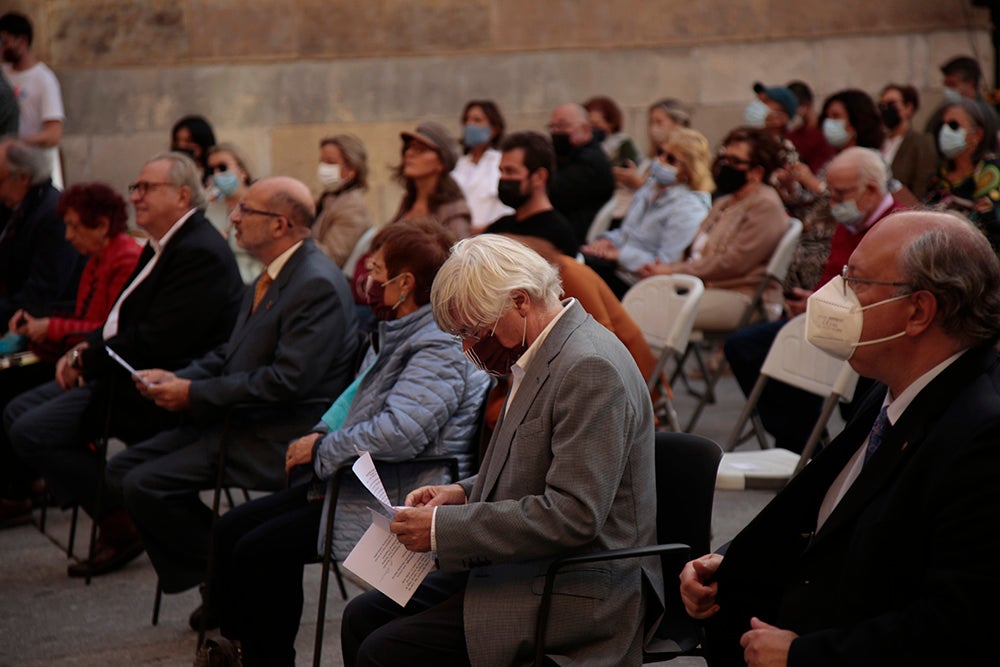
834 320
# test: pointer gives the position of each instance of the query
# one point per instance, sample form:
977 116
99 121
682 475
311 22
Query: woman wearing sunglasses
969 179
664 215
228 178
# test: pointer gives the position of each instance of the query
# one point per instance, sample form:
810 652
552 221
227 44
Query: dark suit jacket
186 306
300 343
39 269
916 162
904 570
582 184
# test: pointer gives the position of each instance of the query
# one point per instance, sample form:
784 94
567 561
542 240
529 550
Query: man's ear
923 312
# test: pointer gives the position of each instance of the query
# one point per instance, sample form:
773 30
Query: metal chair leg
72 531
156 602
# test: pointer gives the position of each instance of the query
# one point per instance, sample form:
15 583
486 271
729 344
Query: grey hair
184 174
300 215
475 285
953 261
27 160
868 163
354 153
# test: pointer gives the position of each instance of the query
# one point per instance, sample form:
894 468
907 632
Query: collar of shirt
896 406
517 371
158 246
278 263
877 214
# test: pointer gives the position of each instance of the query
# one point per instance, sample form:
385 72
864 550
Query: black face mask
599 135
729 179
561 144
890 116
510 194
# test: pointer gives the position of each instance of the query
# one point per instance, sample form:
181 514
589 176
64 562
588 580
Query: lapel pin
903 447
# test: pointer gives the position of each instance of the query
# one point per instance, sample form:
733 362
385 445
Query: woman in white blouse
478 170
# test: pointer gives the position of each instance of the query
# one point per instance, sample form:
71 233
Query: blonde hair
692 148
475 285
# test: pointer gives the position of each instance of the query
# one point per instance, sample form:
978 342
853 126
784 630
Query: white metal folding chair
664 307
796 362
602 220
360 248
777 269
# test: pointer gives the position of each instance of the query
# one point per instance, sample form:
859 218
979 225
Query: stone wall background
274 76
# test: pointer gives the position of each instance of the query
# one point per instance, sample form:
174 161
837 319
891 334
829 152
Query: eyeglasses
246 210
213 169
863 281
670 158
143 187
953 124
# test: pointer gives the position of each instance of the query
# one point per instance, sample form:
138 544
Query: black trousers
261 549
429 630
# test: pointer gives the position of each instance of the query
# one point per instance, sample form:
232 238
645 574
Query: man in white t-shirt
36 89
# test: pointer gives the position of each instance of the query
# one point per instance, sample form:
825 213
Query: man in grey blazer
569 470
295 339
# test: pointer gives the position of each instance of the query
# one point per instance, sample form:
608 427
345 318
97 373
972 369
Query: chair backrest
686 467
777 269
664 308
360 248
795 361
602 220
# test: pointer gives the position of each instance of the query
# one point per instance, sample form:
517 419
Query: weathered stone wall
274 76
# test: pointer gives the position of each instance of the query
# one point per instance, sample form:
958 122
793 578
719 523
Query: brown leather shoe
117 543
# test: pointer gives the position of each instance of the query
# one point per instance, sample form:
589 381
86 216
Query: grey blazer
300 343
569 470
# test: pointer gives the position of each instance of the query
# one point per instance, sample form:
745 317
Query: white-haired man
856 181
569 462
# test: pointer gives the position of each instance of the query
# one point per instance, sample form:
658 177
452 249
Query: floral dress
984 181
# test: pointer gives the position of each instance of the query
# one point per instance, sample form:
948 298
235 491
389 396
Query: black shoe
218 653
107 558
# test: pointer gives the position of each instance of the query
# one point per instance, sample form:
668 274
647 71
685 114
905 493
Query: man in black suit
181 301
582 182
295 339
881 551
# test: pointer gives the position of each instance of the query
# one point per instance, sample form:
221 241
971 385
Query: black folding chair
686 466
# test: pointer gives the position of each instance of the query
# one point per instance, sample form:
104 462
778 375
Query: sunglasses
217 168
953 124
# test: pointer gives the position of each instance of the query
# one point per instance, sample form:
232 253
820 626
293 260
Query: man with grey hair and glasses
180 302
570 461
39 269
885 543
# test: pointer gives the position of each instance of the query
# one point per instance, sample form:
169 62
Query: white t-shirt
479 185
39 100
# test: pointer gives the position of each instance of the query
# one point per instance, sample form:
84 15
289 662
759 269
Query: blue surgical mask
227 182
951 142
835 132
663 174
952 96
475 135
756 114
846 213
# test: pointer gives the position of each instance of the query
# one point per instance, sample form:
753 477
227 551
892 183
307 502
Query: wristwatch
75 362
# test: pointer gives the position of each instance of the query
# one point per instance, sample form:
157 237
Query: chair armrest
541 624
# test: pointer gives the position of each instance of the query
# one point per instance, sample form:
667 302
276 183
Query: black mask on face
510 193
561 143
599 135
890 116
728 179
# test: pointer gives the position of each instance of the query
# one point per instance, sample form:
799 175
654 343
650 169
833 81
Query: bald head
571 119
291 198
945 255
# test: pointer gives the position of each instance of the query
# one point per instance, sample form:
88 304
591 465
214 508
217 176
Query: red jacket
102 280
844 242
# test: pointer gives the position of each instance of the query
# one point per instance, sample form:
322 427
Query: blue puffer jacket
420 397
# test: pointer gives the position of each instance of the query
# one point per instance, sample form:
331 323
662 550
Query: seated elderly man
295 339
39 269
180 302
569 463
582 182
856 181
884 543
